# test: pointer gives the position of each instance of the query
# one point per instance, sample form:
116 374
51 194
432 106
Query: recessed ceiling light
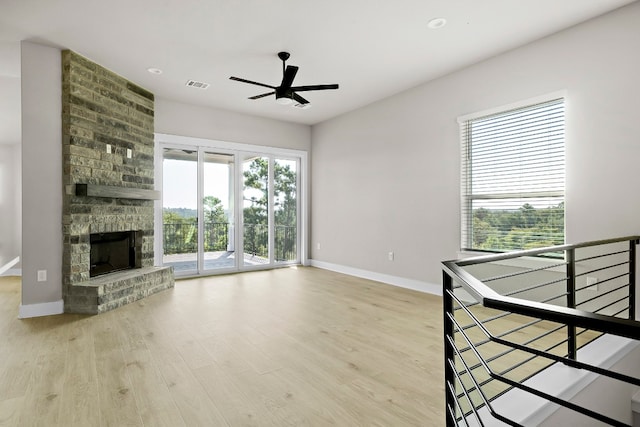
436 23
154 70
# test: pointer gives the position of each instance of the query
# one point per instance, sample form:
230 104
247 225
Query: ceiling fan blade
314 87
299 99
261 96
289 75
238 79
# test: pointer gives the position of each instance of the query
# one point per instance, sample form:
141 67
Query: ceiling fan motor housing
284 97
283 93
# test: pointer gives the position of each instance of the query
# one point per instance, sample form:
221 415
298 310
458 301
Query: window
513 174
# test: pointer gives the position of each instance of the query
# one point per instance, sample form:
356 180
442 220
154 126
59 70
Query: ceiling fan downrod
283 56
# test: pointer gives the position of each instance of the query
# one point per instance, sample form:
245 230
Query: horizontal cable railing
507 317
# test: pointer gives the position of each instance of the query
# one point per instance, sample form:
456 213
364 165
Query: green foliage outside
526 228
256 219
181 228
286 213
216 225
180 233
256 235
183 212
180 225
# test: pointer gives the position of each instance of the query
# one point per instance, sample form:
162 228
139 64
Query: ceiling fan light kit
284 100
286 94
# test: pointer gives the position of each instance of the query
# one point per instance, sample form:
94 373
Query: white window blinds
513 175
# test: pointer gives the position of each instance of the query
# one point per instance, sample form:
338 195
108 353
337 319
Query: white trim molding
5 267
515 105
42 309
402 282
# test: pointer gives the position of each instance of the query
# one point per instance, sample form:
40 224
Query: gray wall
10 136
41 173
174 118
386 177
9 210
17 200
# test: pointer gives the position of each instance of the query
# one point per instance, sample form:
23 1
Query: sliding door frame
240 152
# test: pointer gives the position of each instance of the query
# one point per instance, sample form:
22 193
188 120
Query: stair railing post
632 279
572 348
449 375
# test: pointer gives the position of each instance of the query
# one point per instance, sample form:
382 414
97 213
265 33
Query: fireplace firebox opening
114 252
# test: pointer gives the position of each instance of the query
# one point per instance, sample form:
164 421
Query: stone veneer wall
100 108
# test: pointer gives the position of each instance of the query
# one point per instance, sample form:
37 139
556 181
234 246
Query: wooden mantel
91 190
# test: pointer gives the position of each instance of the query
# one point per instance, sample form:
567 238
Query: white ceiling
372 48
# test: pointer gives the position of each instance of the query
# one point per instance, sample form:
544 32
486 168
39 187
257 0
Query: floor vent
197 84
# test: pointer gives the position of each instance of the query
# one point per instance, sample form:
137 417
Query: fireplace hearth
114 252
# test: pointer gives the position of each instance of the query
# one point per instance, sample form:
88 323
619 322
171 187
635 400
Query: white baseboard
6 265
42 309
401 282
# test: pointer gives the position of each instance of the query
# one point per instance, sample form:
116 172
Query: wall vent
197 84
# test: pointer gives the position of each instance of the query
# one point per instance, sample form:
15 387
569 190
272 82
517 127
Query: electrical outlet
108 148
129 153
42 275
391 256
592 284
318 246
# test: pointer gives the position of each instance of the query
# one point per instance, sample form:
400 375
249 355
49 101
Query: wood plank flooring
286 347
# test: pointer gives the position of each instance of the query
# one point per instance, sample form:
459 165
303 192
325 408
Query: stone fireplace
108 205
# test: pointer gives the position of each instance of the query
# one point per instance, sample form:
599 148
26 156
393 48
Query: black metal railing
182 238
256 241
216 236
507 317
285 243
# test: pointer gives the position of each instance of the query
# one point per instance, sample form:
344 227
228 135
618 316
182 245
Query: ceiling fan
286 93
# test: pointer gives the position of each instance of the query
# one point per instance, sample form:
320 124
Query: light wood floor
287 347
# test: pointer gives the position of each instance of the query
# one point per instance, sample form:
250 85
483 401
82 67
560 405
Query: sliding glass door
285 207
200 187
218 211
180 209
255 211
